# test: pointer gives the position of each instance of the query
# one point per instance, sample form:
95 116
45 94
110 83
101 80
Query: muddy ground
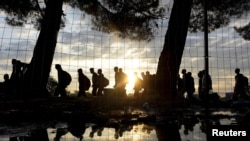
99 108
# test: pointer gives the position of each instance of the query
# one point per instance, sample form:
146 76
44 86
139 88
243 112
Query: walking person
116 70
5 87
241 85
16 76
137 85
184 73
123 78
117 85
84 83
64 79
100 82
94 81
200 76
16 70
206 85
190 89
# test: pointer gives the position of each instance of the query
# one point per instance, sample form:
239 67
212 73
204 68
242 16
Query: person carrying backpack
84 83
95 82
102 82
64 79
241 85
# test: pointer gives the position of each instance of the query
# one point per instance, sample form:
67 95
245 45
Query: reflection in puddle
191 127
89 132
136 133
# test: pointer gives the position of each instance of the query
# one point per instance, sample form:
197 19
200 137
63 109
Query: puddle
187 129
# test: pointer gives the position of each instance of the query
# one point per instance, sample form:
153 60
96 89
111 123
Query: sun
131 82
131 78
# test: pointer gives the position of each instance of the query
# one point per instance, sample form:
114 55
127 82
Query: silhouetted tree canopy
244 31
127 18
20 12
219 13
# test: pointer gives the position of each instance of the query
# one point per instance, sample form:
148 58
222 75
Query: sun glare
131 81
131 78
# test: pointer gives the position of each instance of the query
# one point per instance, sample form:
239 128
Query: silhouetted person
117 86
5 86
123 80
200 76
137 85
100 82
6 80
241 85
84 83
95 82
18 81
190 86
116 70
64 80
120 81
206 85
16 70
184 73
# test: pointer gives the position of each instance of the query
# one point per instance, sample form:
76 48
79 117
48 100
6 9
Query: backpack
67 77
242 80
87 83
105 82
245 81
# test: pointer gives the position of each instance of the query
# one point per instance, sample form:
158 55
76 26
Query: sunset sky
79 46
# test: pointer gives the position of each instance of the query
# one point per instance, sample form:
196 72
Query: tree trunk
36 77
171 55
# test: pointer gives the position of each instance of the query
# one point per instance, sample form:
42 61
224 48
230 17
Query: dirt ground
54 108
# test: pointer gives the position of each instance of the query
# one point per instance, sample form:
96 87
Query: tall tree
36 77
170 58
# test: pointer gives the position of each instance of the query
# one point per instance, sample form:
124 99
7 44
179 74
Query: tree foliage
20 12
219 13
244 31
127 18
